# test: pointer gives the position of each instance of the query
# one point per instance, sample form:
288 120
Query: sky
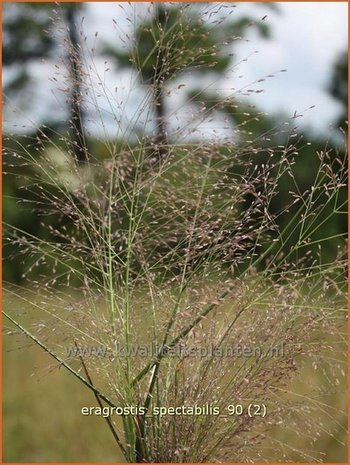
307 38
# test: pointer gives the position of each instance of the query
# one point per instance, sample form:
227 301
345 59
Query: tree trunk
76 118
161 142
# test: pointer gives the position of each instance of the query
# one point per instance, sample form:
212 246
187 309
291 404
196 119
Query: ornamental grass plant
172 248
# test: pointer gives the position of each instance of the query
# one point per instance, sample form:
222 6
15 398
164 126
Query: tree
25 40
29 35
79 143
174 40
338 86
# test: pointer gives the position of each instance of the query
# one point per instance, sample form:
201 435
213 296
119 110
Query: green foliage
25 32
338 86
30 35
169 43
172 42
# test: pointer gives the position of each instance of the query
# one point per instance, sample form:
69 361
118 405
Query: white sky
307 39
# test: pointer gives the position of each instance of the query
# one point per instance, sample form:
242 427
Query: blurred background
285 59
309 42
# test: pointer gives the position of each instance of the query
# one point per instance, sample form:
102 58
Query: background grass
42 418
42 412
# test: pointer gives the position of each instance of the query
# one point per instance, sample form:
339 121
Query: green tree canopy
338 86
